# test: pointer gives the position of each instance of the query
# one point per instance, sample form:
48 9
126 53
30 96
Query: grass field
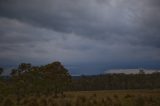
89 98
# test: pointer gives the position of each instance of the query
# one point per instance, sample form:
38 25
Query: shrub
115 96
68 103
33 102
80 100
109 101
139 101
1 99
8 102
94 95
128 96
43 102
24 101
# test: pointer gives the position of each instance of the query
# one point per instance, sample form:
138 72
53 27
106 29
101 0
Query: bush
68 103
139 101
1 99
8 102
80 100
128 96
109 101
33 102
42 102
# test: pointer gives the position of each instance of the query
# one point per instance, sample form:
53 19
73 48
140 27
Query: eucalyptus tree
57 76
19 81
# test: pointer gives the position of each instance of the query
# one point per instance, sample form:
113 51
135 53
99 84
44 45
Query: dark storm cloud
89 18
112 31
83 17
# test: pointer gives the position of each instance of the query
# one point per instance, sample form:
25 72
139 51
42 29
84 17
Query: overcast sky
87 36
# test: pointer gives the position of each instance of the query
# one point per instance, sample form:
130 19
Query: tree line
54 78
119 81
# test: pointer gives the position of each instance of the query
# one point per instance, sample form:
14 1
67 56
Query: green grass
89 98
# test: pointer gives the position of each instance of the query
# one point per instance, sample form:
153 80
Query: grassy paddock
89 98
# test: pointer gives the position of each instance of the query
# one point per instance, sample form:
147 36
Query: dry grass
90 98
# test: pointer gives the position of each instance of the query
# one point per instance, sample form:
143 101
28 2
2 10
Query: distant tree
24 67
2 84
14 72
1 70
141 71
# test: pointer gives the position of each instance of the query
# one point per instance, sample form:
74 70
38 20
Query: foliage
1 70
116 81
28 80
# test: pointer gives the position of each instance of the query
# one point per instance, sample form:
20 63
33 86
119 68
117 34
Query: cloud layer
88 36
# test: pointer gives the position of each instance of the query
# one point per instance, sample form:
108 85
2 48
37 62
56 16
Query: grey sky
88 36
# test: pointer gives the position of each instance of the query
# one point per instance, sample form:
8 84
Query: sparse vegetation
88 98
51 85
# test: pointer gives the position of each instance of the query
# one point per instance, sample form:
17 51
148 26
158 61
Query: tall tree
58 76
19 80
